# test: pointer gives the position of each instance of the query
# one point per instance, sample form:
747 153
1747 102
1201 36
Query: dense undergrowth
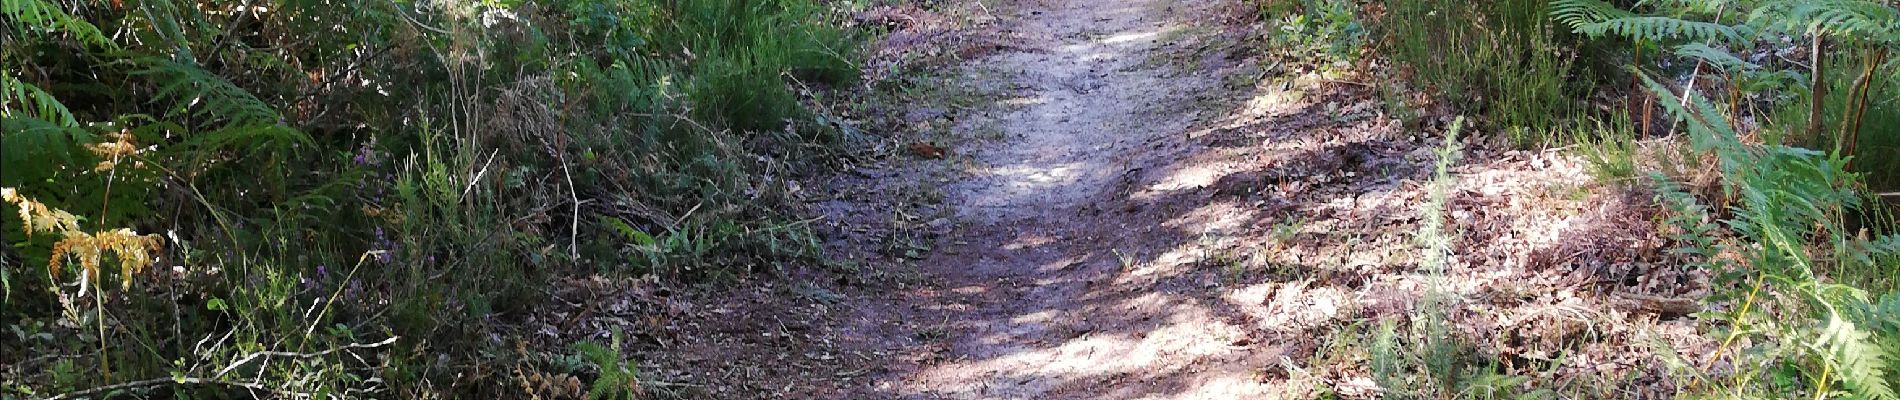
311 199
1766 128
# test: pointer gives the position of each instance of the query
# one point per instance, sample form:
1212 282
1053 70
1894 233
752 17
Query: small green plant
1285 231
1328 28
618 378
1610 149
1425 359
1216 252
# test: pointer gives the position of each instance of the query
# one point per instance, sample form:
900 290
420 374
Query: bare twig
574 229
413 21
337 293
1359 84
986 10
1817 86
253 356
689 213
1719 11
246 13
478 174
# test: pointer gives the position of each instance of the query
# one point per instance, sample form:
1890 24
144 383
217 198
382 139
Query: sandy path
1089 101
1037 300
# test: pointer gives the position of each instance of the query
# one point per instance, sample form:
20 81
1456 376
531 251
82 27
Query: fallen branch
1665 306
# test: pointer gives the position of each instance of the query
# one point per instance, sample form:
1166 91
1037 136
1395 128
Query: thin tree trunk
1817 84
1636 87
1850 134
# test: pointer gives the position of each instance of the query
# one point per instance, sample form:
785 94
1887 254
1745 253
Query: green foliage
332 176
1597 18
1433 234
738 54
1790 202
1797 246
1459 49
1427 360
618 378
1858 96
1696 228
1857 19
1329 28
44 17
1610 149
1864 365
196 93
32 103
1875 129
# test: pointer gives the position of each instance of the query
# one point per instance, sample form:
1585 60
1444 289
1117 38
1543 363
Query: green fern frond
1692 217
32 101
1707 128
1577 13
1862 363
46 16
1716 57
212 97
252 135
35 149
619 379
1882 318
1684 7
1848 18
1654 28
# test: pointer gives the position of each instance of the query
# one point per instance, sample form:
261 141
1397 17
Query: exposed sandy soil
1033 300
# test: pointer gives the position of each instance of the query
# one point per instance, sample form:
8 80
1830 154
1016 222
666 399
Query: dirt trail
1177 212
1090 99
1042 296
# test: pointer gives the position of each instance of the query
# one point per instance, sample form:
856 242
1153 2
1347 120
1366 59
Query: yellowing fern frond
135 252
119 145
37 217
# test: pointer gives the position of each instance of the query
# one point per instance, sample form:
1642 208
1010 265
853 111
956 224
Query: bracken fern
1790 198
